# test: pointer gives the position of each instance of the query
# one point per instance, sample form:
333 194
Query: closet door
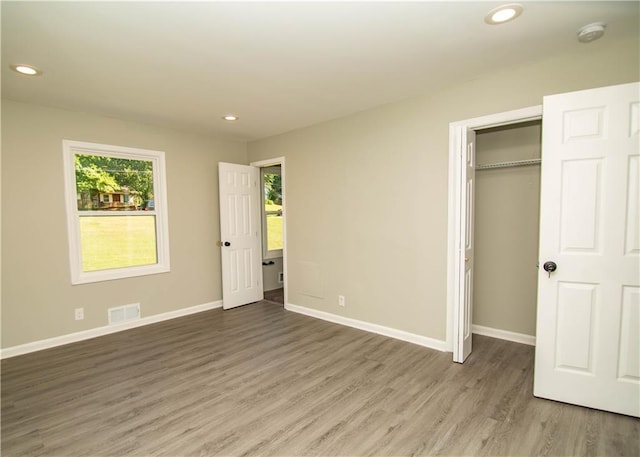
588 346
462 332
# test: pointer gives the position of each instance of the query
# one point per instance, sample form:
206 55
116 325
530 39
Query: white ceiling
278 65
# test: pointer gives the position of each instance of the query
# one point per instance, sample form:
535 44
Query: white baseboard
425 341
106 330
504 335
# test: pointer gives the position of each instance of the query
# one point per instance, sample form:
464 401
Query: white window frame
266 253
70 148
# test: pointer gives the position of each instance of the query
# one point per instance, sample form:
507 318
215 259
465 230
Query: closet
507 203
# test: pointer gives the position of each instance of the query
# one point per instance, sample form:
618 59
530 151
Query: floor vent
124 313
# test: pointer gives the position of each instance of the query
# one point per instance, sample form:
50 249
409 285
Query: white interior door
462 335
240 231
588 346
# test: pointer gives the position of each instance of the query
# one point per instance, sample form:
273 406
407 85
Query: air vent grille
124 313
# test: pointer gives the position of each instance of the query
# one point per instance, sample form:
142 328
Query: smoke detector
591 32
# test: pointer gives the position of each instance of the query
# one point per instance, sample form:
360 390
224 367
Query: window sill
120 273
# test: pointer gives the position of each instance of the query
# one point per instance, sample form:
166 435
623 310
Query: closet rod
517 163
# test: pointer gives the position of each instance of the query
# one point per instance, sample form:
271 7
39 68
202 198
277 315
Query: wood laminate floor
258 380
275 295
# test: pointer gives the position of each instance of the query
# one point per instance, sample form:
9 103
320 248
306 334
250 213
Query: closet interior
507 202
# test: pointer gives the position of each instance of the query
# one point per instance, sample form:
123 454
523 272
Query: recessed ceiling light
230 117
26 70
504 13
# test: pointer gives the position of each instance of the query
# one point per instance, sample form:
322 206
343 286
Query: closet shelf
516 163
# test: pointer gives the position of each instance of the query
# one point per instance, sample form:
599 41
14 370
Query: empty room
320 228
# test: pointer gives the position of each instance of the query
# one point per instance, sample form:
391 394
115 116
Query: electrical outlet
79 314
341 300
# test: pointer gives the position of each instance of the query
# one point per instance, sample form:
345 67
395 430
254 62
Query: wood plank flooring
258 380
275 295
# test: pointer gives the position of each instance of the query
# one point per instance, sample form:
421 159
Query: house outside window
272 212
112 232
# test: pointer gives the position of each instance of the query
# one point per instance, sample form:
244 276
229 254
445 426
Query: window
272 212
116 211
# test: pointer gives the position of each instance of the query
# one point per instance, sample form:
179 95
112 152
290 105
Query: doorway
272 179
460 272
506 226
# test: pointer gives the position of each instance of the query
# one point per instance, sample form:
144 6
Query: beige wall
37 297
270 274
507 202
366 200
367 194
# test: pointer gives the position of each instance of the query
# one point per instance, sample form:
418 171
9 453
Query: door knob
227 244
550 267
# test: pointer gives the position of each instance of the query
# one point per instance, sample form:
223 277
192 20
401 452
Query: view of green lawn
274 227
117 241
274 232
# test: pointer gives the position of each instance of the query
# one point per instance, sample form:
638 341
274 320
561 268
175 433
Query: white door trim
267 163
455 207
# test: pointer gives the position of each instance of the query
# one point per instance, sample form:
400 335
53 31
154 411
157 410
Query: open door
463 319
240 232
588 344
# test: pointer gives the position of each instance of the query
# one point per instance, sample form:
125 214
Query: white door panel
240 234
463 339
587 349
